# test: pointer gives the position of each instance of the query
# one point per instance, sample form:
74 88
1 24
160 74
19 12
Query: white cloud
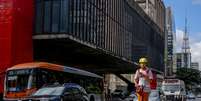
196 2
196 52
179 39
195 45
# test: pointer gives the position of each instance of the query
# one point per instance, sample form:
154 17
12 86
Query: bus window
33 83
42 78
46 77
12 83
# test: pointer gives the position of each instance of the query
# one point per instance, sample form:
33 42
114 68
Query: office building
181 60
195 65
155 9
170 38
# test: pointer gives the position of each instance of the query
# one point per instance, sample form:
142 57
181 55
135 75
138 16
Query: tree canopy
191 77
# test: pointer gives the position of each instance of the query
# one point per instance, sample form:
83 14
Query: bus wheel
92 98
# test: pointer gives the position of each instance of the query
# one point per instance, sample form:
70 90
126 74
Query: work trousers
143 97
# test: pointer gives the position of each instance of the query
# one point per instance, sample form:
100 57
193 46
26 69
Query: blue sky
191 8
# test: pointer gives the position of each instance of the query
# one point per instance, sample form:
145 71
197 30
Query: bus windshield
17 80
171 87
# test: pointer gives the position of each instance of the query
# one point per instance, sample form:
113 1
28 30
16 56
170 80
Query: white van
173 89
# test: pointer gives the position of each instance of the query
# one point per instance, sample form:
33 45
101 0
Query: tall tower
186 48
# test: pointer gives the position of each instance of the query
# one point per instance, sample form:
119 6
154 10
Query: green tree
191 77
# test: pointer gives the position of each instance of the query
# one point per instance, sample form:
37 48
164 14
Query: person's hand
151 80
147 78
139 89
136 85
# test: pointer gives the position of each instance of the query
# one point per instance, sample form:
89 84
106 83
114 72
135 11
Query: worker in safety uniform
142 79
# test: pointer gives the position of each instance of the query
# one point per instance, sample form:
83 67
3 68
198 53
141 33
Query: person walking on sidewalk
142 79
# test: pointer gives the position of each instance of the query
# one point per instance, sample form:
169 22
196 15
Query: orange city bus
24 79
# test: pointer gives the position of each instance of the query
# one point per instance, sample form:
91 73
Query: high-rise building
155 9
170 37
181 60
195 65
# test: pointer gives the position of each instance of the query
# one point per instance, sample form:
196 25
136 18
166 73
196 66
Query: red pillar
16 27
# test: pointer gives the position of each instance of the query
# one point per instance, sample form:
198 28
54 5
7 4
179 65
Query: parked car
154 95
198 96
131 97
191 96
65 92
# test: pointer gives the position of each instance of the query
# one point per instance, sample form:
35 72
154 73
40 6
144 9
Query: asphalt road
197 99
118 99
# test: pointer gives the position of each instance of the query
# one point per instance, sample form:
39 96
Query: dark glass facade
111 25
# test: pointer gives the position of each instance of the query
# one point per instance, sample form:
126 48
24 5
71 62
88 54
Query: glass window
171 88
33 83
75 91
47 16
55 16
38 26
88 22
42 78
49 91
72 90
74 18
64 15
